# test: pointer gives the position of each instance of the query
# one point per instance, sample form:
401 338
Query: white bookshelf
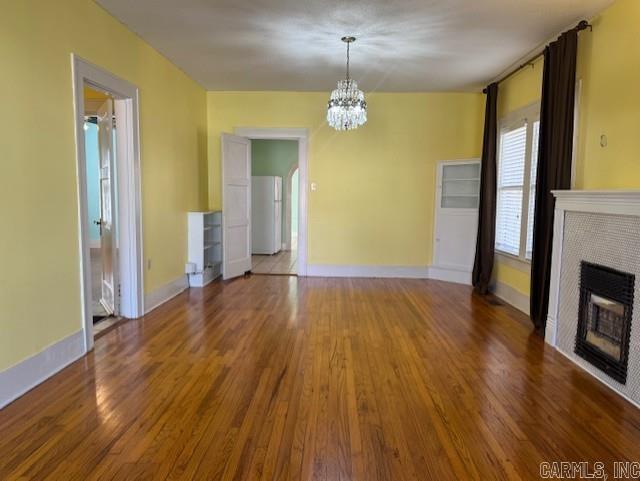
205 246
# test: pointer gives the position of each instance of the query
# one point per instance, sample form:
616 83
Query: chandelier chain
348 44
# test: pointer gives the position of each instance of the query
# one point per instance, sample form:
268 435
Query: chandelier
347 108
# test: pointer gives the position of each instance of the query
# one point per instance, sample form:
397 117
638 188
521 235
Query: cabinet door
457 197
460 184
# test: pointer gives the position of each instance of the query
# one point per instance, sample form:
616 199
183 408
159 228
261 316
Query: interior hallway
275 377
284 262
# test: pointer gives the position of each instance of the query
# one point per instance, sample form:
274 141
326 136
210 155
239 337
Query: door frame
286 241
302 136
128 182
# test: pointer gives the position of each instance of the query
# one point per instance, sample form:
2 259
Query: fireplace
604 322
594 322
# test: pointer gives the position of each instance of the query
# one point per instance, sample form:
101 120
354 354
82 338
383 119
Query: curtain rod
582 25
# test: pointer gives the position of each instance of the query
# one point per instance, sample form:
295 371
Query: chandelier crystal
347 109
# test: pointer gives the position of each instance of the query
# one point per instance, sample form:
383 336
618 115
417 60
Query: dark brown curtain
554 161
485 244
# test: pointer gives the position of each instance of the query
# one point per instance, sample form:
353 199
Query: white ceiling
403 45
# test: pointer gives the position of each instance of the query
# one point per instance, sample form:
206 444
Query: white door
236 205
457 197
108 252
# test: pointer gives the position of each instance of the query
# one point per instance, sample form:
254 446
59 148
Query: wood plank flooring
280 378
284 262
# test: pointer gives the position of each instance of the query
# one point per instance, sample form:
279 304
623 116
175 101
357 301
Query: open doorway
108 163
102 195
274 164
236 188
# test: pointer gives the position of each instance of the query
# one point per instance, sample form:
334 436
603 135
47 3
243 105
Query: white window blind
510 189
517 171
532 189
517 166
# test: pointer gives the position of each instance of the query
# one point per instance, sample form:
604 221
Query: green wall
275 157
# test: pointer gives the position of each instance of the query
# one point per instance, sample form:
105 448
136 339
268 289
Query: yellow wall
375 197
521 89
609 67
39 254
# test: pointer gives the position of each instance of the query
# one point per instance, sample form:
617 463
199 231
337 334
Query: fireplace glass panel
605 322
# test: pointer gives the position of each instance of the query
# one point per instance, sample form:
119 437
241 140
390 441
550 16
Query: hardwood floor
274 378
284 262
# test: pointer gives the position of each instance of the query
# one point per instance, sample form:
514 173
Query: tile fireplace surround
600 227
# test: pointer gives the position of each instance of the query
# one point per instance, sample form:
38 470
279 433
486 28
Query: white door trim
302 136
286 240
129 215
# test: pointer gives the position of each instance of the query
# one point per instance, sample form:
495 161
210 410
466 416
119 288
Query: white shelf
204 234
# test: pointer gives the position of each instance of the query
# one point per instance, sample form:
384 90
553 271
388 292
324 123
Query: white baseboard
24 376
450 274
326 270
511 296
163 293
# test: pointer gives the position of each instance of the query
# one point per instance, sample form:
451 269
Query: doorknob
98 222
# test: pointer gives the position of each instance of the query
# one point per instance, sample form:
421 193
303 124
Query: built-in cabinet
456 222
204 247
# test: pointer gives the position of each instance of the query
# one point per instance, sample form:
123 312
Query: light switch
314 186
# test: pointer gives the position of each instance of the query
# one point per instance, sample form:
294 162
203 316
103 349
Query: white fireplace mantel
613 202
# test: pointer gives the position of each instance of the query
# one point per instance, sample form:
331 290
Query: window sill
514 262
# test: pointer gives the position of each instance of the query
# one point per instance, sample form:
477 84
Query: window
517 163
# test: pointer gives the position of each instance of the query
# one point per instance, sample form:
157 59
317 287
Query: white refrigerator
266 214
